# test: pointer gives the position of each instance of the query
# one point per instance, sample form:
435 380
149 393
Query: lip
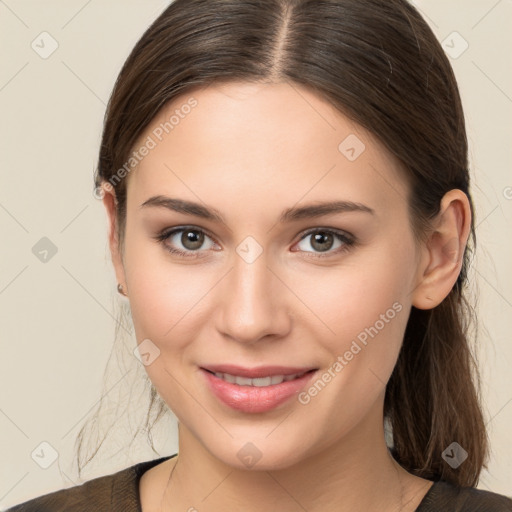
259 371
253 399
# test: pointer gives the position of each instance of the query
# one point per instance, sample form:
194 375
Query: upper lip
259 371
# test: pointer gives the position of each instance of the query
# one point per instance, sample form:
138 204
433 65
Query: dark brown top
119 492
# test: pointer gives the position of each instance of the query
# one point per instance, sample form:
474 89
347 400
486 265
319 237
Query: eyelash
347 240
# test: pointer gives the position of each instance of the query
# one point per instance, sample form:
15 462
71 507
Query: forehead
240 142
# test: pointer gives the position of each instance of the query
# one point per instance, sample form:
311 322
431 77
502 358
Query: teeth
257 382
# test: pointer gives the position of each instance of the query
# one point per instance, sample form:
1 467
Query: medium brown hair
377 62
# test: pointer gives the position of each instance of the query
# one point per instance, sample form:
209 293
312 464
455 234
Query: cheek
354 300
368 315
167 304
163 296
366 308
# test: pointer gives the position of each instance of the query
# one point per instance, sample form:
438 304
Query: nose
252 302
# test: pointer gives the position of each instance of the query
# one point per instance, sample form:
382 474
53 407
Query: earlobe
443 252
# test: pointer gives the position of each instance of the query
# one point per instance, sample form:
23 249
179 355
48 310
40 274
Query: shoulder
446 497
115 492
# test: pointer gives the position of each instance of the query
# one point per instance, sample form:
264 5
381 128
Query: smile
257 382
256 394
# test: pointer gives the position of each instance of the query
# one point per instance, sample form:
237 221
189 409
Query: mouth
256 394
270 380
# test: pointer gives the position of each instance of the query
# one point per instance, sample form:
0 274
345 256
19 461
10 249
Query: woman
287 189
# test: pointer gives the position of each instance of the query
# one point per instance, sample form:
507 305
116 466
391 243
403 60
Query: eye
189 242
324 241
185 241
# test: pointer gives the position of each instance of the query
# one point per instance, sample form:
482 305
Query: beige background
57 317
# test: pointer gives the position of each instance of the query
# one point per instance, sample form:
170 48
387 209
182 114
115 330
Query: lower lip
254 399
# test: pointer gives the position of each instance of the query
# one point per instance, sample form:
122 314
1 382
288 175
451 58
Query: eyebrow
291 214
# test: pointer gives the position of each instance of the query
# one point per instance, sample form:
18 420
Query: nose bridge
253 305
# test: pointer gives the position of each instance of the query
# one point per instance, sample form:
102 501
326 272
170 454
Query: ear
442 253
110 203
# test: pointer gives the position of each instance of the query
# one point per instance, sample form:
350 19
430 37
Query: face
267 280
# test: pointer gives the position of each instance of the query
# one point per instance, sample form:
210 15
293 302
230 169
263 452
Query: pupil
192 239
320 239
